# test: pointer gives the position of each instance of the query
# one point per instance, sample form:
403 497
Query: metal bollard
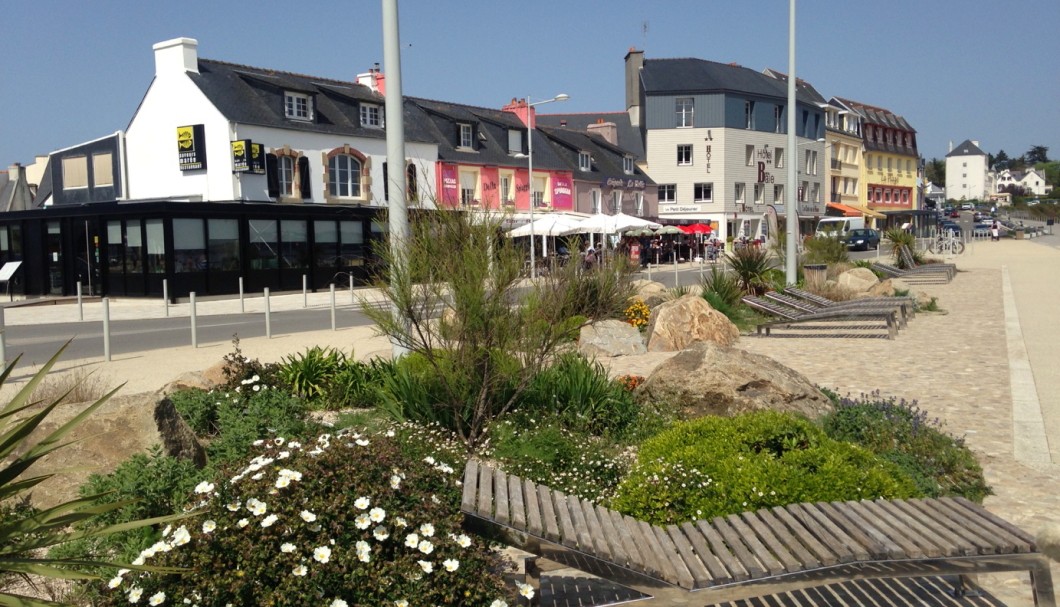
80 303
242 310
194 323
331 288
305 291
677 277
106 329
165 294
649 270
268 316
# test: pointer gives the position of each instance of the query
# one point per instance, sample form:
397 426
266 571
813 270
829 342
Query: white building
1032 181
967 173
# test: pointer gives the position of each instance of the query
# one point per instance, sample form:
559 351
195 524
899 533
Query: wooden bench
948 269
903 310
789 317
753 553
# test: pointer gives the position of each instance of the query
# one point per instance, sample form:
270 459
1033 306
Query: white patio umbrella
552 224
610 224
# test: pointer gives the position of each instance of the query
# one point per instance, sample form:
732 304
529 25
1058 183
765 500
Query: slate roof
801 86
678 76
629 137
877 115
606 158
251 95
966 148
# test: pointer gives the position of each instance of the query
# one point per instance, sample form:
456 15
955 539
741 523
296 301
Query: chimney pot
176 56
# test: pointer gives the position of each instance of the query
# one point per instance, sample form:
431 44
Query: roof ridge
320 79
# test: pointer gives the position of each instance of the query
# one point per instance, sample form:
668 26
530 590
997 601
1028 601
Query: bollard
165 294
677 277
268 316
3 340
331 288
106 329
242 310
194 323
649 270
80 303
353 300
305 291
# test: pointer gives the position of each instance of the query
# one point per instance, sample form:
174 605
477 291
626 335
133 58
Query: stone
650 292
1048 540
178 439
712 379
686 320
884 288
610 338
858 279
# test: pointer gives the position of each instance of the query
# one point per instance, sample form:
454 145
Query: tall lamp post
530 171
791 274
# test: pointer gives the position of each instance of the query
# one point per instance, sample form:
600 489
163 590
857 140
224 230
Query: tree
1001 161
935 171
1037 153
1014 188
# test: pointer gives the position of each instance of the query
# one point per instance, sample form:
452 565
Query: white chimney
176 56
975 143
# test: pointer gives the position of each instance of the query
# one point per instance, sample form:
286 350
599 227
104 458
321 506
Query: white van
838 226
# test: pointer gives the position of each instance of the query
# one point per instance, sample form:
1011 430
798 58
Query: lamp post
530 171
791 274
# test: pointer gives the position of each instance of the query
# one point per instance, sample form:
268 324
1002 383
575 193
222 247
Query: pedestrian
995 231
589 261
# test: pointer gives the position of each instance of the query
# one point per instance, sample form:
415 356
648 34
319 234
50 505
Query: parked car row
862 239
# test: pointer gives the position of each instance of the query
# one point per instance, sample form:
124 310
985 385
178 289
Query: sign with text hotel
191 147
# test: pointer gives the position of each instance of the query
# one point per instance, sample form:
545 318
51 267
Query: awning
847 211
869 212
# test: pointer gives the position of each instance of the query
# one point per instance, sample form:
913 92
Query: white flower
390 434
377 515
233 506
181 536
282 482
412 540
257 387
401 603
135 594
287 547
426 566
380 533
427 529
429 460
322 554
462 540
114 582
258 442
300 570
362 503
451 565
307 516
362 546
525 590
283 454
208 526
269 520
400 522
158 598
256 378
362 442
261 475
242 523
363 521
499 603
139 560
167 530
395 482
338 603
425 547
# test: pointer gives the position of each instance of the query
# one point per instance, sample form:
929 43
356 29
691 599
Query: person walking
995 231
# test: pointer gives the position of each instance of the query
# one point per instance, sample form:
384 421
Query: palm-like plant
26 533
752 266
899 239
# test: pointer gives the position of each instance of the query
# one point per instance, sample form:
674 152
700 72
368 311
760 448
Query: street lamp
530 170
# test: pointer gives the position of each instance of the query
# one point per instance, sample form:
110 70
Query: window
103 169
466 140
816 193
344 176
879 163
779 156
908 166
294 244
811 162
760 191
515 141
297 106
684 155
804 190
616 201
778 117
597 197
189 245
703 192
264 244
748 113
468 186
638 203
506 189
371 116
627 165
538 190
223 244
667 193
778 192
685 108
75 172
740 187
285 172
889 164
584 161
749 155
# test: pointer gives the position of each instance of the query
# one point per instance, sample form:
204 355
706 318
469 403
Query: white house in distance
1031 180
967 173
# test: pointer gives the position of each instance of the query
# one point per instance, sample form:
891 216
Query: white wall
966 177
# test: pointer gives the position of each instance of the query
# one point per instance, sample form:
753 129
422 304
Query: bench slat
548 513
982 526
533 509
768 534
960 544
660 562
567 536
846 547
806 543
928 509
732 539
721 550
761 553
500 499
718 573
931 544
1000 522
515 495
470 491
625 537
887 532
676 564
874 546
581 526
485 491
701 578
603 535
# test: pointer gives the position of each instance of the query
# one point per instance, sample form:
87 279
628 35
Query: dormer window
627 165
515 141
371 116
585 162
466 137
297 106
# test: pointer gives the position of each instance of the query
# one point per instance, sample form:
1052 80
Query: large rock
859 280
178 439
689 319
709 379
610 338
650 292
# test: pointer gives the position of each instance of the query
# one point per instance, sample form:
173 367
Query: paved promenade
986 366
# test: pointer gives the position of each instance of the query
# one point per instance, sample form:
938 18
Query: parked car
862 239
950 226
955 213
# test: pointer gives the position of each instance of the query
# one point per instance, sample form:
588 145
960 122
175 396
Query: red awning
847 211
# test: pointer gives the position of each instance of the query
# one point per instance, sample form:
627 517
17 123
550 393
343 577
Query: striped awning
846 210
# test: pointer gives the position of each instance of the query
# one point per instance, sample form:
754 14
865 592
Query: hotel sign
191 147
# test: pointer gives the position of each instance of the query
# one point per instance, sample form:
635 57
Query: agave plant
25 534
752 267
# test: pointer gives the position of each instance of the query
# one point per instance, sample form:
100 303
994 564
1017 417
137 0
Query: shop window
189 246
223 244
262 250
294 244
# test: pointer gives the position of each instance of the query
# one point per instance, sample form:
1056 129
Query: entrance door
53 244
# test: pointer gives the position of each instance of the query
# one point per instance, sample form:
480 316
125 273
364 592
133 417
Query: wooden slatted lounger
753 553
789 317
911 276
909 303
903 310
947 268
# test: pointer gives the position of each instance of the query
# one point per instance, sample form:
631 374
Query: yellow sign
185 137
191 148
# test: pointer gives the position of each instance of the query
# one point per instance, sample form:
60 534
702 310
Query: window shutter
303 178
272 171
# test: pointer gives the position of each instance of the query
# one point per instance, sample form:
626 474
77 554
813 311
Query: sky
74 71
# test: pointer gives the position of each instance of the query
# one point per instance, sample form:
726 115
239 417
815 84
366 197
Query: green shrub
900 239
243 419
198 408
722 287
903 433
356 384
751 266
825 249
344 518
238 369
309 374
714 466
580 391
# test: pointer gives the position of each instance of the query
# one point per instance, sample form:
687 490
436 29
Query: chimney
21 198
373 79
563 122
176 56
526 114
975 143
607 130
634 64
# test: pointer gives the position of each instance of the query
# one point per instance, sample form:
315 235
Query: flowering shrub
630 382
638 314
345 519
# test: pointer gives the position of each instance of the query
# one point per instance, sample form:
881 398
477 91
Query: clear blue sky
955 69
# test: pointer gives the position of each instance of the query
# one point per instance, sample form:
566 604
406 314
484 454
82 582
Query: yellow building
843 147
